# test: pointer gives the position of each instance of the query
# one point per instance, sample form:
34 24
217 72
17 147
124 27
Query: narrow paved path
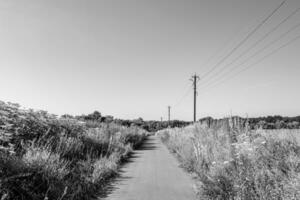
152 174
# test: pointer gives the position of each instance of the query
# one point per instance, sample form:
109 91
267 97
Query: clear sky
132 59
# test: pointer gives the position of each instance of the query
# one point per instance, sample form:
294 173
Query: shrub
45 157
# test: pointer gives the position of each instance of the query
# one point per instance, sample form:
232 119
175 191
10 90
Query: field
231 162
46 157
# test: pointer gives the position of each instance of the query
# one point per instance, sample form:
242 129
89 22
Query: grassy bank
235 163
46 157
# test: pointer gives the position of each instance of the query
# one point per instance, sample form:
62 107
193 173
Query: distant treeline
269 122
150 126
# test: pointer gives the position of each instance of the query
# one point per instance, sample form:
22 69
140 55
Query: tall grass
45 157
235 163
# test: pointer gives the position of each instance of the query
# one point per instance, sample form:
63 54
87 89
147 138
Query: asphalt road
152 174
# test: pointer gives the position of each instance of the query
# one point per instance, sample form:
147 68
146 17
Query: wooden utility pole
195 78
169 114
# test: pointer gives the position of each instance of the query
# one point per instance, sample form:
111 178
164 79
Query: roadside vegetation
46 157
269 122
235 162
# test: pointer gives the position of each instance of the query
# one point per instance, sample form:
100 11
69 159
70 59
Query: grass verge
236 163
46 157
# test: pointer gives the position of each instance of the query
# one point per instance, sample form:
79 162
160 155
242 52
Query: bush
45 157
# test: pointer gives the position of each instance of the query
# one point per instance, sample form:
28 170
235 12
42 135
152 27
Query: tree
96 115
107 119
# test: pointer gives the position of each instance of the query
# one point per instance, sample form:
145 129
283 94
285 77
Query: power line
183 97
228 41
195 80
186 92
236 48
258 41
245 39
225 44
232 68
268 55
260 60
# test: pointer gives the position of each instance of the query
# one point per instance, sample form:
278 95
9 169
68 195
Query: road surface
152 174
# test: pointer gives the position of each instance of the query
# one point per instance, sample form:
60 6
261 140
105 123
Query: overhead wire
219 50
234 67
255 44
186 93
245 39
259 61
189 89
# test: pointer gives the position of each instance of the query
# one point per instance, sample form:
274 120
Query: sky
132 59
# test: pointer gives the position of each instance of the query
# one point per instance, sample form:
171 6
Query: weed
236 163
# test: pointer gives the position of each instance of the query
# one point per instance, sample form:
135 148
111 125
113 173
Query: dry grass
234 163
285 133
44 157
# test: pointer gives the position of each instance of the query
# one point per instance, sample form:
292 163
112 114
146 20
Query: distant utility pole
169 114
195 78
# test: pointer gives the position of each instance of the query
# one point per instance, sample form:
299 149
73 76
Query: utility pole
169 114
195 78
